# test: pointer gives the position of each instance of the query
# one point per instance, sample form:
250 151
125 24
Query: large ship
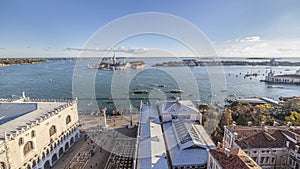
106 64
285 78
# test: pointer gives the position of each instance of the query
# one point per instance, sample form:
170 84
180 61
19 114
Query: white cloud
261 48
116 49
288 50
250 39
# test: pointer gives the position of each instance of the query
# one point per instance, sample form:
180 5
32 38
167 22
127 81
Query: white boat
271 86
176 91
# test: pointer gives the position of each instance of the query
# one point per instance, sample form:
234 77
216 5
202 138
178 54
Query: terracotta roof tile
262 137
238 159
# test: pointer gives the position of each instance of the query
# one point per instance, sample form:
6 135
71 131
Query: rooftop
10 111
18 116
265 137
152 151
193 149
238 158
187 135
177 107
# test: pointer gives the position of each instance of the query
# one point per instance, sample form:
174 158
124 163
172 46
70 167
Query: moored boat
176 91
140 92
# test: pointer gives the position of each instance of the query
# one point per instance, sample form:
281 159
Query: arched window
2 165
68 119
28 147
52 130
32 133
21 141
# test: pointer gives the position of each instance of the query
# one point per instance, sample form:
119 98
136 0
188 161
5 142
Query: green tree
226 119
294 118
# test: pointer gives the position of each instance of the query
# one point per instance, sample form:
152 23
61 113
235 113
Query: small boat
278 87
287 70
251 74
110 101
176 91
140 92
160 85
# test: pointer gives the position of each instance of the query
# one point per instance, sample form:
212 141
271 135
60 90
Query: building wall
3 155
293 159
38 137
212 163
269 157
264 157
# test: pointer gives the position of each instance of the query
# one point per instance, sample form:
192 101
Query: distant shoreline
184 62
223 63
20 61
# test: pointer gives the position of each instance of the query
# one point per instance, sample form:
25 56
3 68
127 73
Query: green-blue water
54 79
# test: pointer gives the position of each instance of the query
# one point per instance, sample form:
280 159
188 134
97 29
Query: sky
248 28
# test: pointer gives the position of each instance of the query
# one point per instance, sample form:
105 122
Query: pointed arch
28 147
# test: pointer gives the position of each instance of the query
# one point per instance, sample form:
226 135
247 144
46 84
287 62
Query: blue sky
236 28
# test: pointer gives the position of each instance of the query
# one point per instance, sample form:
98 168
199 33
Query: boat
109 101
251 74
159 85
271 86
176 91
140 92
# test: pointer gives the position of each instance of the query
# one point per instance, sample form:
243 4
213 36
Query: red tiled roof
260 137
238 159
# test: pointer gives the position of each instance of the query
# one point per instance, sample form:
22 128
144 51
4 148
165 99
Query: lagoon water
65 79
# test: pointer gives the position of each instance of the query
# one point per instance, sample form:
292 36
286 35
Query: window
254 159
267 160
28 147
52 130
68 119
2 165
262 160
273 160
21 141
32 133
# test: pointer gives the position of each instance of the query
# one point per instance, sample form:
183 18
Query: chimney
289 123
262 123
292 128
249 123
234 125
219 145
265 128
227 152
296 148
287 144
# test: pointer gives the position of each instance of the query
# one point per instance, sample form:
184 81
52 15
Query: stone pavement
111 147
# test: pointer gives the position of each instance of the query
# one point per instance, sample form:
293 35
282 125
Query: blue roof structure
11 111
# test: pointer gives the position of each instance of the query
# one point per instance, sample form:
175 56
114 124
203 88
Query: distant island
20 61
194 62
